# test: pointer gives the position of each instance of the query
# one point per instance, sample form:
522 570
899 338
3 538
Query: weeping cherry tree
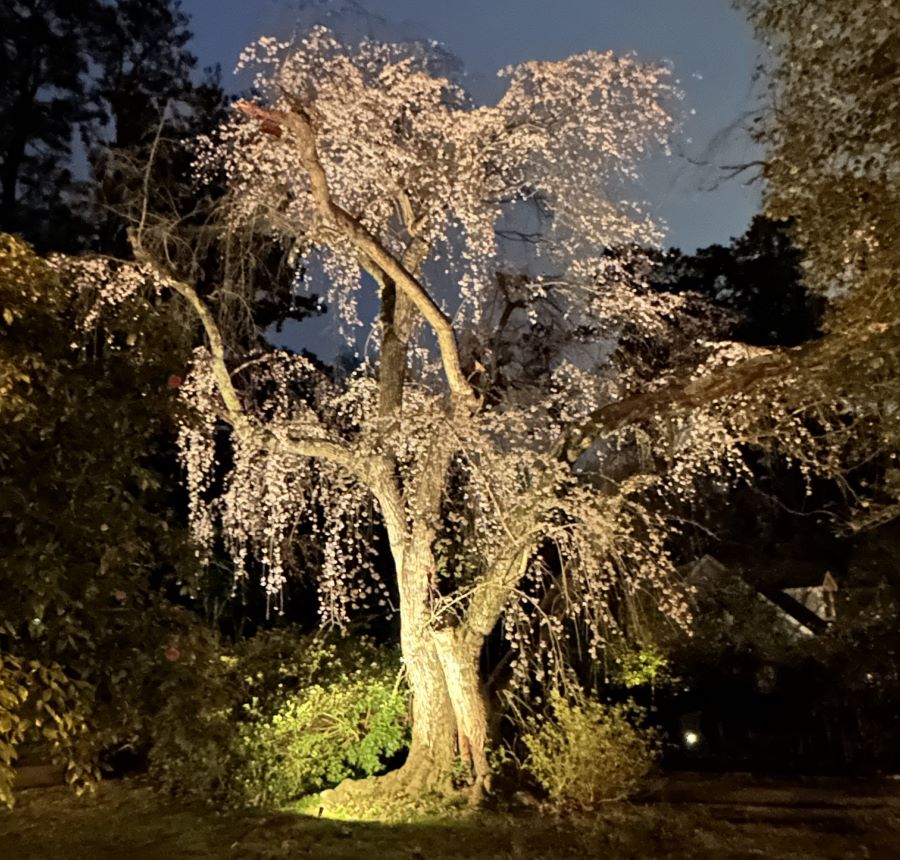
516 454
369 162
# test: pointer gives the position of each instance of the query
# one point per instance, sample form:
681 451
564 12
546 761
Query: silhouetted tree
89 89
757 279
46 96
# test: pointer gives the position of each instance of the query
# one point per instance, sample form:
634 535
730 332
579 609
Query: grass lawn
127 821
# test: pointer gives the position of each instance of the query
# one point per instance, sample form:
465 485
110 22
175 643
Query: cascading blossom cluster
101 282
406 152
268 493
431 178
197 449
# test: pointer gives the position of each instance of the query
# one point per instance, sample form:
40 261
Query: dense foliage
830 128
41 703
830 125
90 538
276 717
757 281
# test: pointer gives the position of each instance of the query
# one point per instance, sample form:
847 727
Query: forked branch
297 122
235 413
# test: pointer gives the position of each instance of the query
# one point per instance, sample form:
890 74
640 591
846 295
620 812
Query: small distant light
691 739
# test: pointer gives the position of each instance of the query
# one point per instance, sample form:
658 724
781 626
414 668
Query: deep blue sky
709 44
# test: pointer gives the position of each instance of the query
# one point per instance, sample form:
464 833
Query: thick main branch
234 411
693 394
298 123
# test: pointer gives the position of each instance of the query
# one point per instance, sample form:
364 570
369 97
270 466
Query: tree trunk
449 709
459 652
432 749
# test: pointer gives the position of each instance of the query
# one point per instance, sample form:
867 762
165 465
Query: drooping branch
692 394
235 413
298 123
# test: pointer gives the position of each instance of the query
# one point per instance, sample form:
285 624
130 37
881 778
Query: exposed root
410 791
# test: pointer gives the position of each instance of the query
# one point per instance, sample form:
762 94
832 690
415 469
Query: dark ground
738 819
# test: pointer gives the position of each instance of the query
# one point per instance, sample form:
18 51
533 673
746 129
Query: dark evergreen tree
91 90
145 66
141 159
46 96
757 279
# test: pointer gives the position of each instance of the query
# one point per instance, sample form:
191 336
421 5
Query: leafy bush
40 703
279 716
638 667
585 752
91 539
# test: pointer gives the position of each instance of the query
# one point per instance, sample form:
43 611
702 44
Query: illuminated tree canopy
498 428
831 127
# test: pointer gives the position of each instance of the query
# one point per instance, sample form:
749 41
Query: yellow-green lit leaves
584 752
40 703
280 716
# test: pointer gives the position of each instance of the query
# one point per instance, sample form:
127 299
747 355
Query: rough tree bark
433 747
449 707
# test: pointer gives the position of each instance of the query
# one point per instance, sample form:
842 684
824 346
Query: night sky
709 45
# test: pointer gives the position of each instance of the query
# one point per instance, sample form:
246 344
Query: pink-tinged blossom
419 168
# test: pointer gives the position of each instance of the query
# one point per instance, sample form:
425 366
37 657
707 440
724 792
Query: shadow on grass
127 820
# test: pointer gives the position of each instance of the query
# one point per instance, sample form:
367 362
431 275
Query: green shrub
584 752
40 703
91 543
278 717
320 736
639 667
